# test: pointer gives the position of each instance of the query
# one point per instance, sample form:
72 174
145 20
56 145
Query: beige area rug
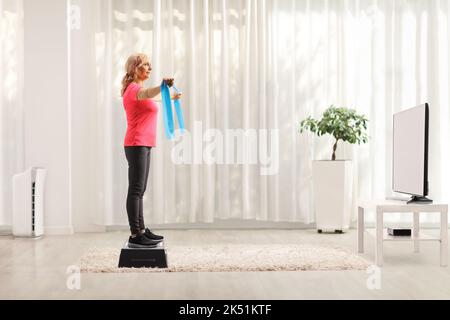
234 258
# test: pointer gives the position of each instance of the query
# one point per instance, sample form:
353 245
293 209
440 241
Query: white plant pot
332 194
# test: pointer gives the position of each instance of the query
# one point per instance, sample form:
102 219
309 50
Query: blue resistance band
177 105
167 111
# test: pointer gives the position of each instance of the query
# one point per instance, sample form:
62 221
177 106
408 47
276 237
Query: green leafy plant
342 123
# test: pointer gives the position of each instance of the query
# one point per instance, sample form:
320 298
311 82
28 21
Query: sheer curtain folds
241 65
250 64
258 64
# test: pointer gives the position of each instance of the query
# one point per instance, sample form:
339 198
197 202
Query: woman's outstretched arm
149 93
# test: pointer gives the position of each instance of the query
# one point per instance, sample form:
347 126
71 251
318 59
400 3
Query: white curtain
251 64
263 64
223 55
11 106
255 64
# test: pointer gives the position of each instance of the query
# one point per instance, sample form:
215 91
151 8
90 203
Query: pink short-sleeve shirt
141 118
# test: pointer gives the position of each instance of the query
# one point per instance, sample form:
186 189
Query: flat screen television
410 153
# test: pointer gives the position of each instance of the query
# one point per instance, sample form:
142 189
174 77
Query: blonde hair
134 62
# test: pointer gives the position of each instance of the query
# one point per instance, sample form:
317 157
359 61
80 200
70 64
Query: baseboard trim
58 230
89 228
5 230
68 230
219 225
62 230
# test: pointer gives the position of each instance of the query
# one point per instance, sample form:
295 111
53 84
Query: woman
141 111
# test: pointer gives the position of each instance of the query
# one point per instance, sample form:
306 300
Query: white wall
47 106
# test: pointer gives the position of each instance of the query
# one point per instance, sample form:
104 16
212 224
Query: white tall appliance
28 203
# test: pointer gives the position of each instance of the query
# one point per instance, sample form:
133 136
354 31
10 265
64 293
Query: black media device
399 232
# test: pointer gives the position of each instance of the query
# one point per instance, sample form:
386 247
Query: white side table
382 206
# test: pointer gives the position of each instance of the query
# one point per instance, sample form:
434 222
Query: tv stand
395 207
419 199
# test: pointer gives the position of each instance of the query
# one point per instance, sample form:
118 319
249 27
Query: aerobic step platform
151 257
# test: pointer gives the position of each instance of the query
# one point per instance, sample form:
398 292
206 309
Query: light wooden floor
31 269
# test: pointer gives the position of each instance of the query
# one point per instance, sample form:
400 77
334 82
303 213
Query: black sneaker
141 241
150 235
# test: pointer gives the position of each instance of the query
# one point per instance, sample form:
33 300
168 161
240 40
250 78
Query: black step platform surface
152 257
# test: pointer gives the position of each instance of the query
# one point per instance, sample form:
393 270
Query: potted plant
333 178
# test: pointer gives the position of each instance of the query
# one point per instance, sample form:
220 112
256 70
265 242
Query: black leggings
138 166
